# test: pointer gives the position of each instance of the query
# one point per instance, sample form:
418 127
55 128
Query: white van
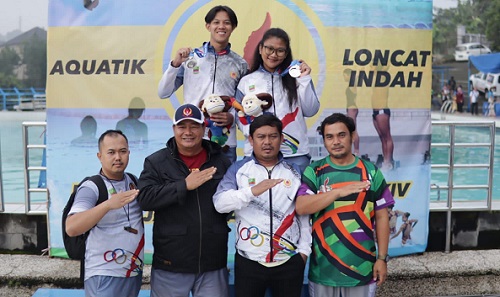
464 50
485 81
493 80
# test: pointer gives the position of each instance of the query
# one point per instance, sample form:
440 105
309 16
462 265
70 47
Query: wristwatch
384 258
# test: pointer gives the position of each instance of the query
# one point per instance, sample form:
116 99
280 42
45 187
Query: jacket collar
277 71
211 147
209 48
280 158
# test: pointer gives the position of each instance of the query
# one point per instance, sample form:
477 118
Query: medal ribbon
294 62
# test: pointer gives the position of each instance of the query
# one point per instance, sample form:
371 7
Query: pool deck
459 273
463 117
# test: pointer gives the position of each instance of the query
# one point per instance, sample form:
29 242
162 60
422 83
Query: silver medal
294 71
191 62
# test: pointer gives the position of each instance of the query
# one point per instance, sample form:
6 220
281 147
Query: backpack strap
132 177
101 186
103 196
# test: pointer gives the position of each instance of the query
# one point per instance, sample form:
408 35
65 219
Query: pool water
465 155
12 159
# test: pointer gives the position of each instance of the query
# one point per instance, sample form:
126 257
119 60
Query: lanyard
127 211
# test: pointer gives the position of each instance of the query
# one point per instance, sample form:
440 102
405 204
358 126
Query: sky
33 13
26 14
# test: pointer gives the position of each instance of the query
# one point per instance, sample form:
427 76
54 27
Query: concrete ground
459 273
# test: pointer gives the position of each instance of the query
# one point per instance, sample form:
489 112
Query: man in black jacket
189 235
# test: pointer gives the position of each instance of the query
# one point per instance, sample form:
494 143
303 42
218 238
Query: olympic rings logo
253 234
120 256
285 245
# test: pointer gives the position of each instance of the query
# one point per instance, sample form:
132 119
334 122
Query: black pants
473 108
251 279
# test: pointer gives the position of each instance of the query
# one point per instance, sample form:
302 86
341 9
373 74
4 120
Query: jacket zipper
199 214
271 257
215 71
201 225
272 91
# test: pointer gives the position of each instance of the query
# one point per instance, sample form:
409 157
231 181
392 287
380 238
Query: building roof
26 36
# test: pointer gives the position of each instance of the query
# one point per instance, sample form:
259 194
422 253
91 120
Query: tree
493 24
35 58
9 59
9 81
444 30
478 16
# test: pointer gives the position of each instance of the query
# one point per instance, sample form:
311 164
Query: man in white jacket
272 241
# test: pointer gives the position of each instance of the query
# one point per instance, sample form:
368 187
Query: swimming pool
465 155
11 151
12 162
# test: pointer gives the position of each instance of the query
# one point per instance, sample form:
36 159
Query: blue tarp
487 63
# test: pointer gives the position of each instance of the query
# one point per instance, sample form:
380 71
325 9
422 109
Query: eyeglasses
280 52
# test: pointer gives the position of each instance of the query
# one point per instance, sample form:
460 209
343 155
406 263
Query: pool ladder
28 190
450 166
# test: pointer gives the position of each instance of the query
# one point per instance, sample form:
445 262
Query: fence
22 99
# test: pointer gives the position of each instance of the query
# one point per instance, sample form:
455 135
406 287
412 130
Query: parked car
463 51
485 81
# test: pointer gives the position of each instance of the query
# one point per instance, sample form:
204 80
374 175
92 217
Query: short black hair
112 133
266 119
212 12
335 118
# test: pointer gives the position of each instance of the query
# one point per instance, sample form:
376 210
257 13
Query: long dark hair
289 82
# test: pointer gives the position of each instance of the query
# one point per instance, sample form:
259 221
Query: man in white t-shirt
474 96
114 249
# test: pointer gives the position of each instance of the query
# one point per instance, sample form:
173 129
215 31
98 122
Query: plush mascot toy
254 105
214 104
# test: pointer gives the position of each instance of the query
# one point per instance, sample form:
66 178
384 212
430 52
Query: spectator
460 99
452 84
474 96
491 102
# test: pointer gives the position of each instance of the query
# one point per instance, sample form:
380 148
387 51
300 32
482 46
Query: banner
368 58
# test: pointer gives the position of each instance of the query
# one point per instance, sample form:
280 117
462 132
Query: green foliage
444 30
9 81
35 58
478 16
493 24
9 59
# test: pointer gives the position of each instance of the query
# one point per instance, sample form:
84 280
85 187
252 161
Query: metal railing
27 147
450 166
11 97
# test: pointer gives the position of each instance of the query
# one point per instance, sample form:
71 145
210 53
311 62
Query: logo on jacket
251 181
287 183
